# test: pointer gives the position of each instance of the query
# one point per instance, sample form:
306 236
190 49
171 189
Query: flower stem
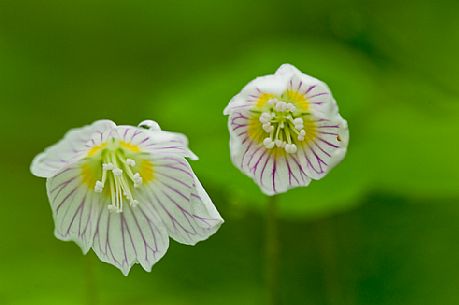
332 276
90 280
272 253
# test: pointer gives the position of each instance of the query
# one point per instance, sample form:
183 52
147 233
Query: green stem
272 253
90 280
326 247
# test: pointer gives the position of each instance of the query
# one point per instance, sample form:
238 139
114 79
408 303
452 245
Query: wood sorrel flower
285 129
123 190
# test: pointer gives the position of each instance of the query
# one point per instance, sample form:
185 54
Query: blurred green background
382 228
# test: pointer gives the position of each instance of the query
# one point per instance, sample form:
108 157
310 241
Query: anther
301 135
268 143
268 127
117 171
265 117
280 106
291 107
107 166
130 162
290 148
137 179
99 186
298 121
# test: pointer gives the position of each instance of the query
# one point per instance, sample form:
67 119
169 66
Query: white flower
285 130
123 190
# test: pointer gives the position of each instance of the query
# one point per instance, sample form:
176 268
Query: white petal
75 207
204 211
250 94
149 125
343 133
288 71
72 148
156 141
325 141
180 201
321 153
315 92
136 235
272 169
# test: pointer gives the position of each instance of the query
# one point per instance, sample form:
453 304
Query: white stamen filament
120 182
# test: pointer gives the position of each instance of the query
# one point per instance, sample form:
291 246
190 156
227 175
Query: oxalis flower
285 130
123 190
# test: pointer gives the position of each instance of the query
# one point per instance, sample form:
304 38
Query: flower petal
179 200
75 207
204 211
73 147
272 169
135 235
314 92
156 141
260 88
325 148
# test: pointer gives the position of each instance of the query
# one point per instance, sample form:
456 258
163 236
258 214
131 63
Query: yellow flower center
115 168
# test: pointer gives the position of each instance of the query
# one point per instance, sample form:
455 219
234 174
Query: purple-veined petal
308 90
137 235
204 211
261 88
286 132
324 146
272 169
156 141
177 197
72 148
75 207
125 192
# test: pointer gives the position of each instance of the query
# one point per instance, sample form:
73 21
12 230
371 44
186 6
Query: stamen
272 101
99 186
291 107
268 143
117 171
107 166
137 179
290 148
268 127
113 209
280 106
283 124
